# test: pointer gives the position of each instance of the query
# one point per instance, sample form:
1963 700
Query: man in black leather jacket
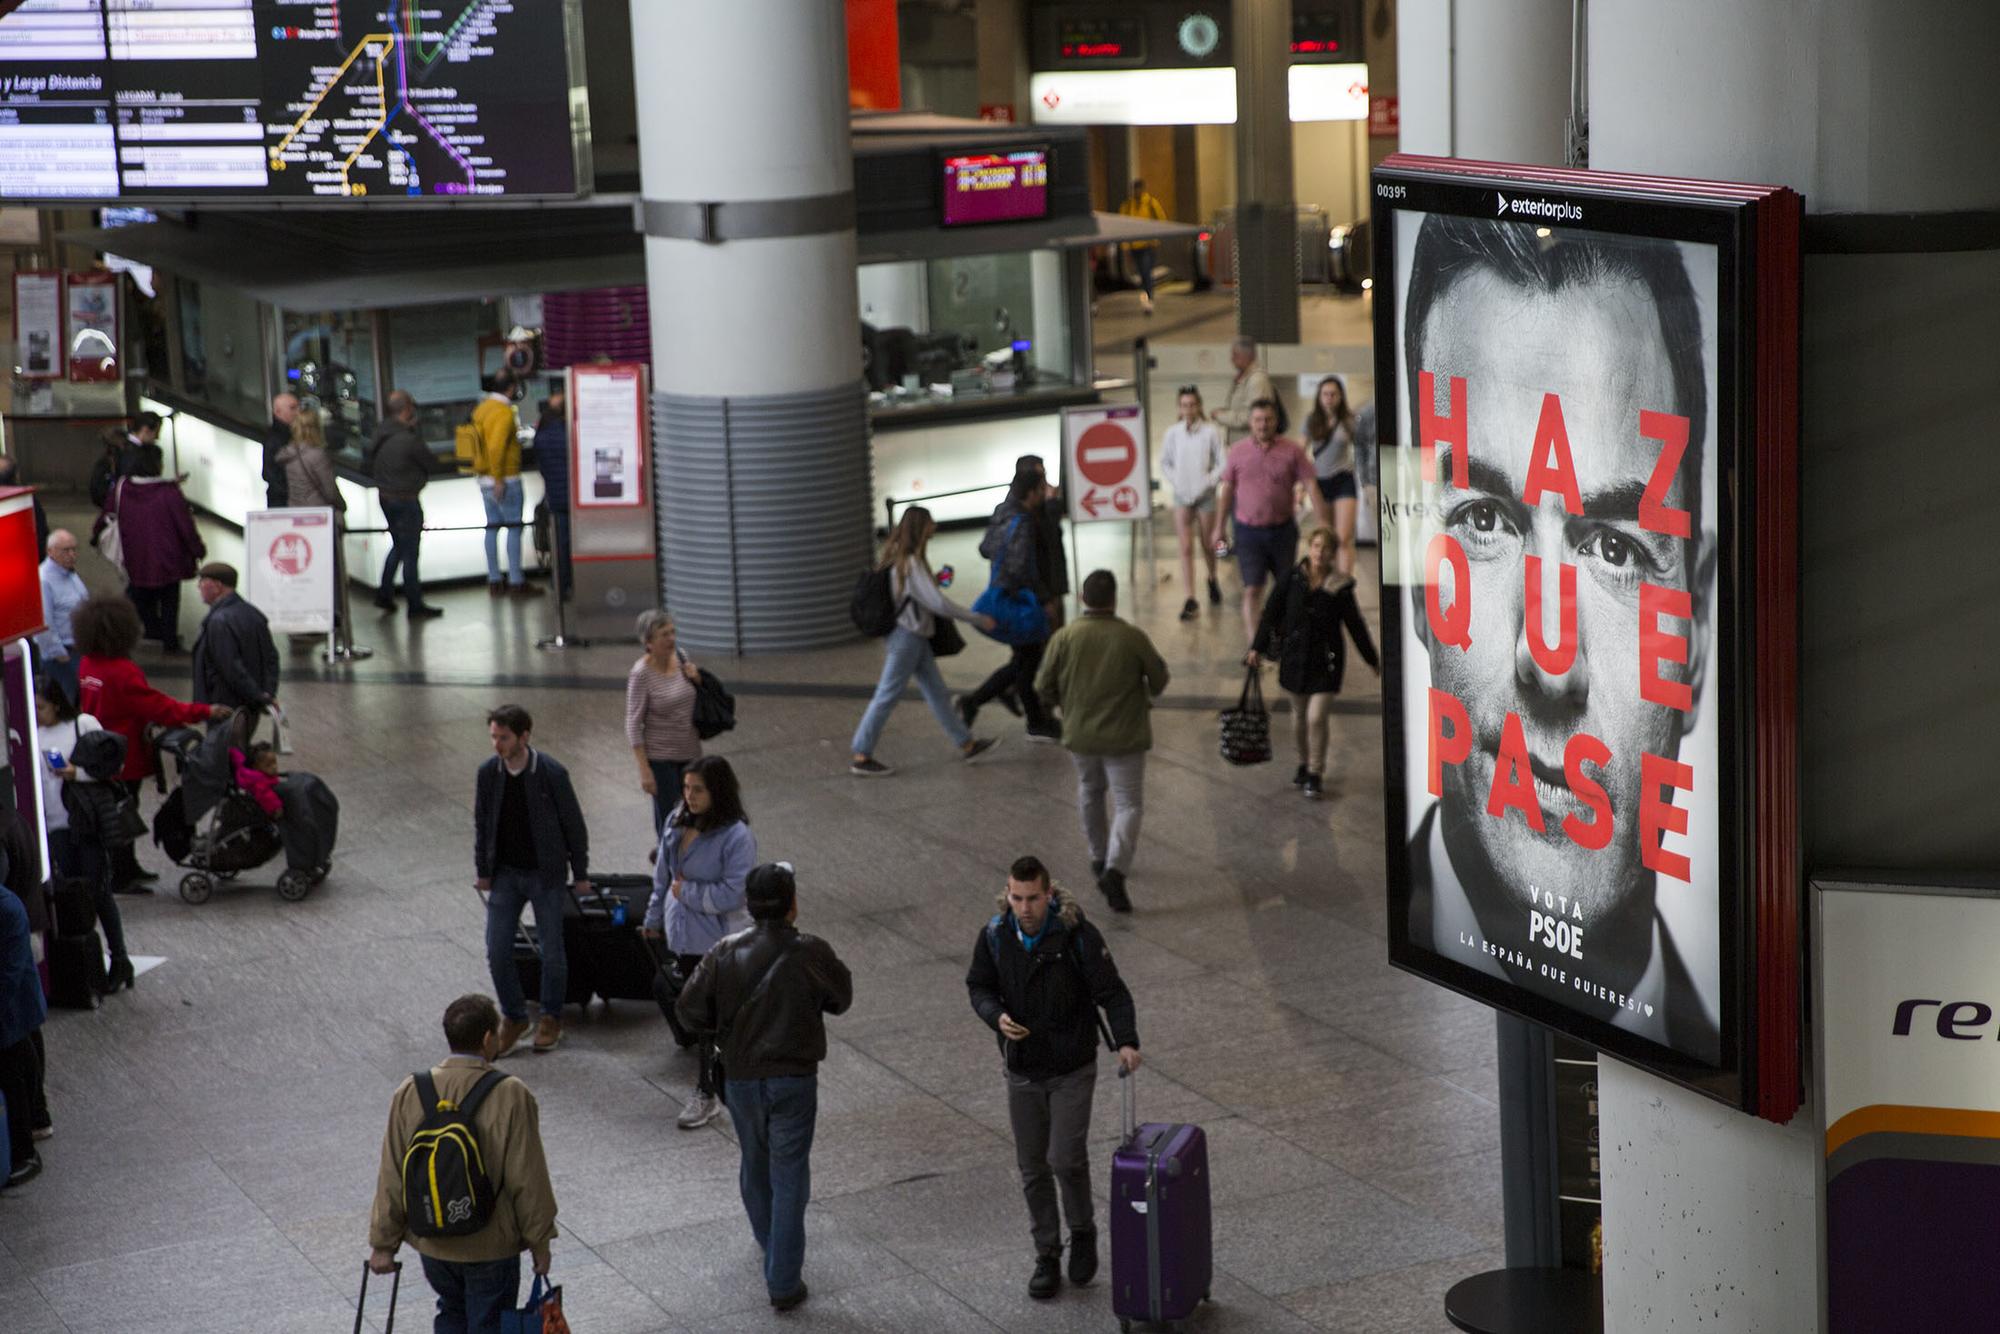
766 992
1040 973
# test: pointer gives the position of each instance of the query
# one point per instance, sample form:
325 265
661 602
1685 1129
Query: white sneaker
700 1110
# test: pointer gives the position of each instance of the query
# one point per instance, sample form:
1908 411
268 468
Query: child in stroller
218 824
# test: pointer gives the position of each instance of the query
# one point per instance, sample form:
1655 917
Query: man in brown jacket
477 1277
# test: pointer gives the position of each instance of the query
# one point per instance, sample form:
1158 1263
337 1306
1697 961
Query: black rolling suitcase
604 943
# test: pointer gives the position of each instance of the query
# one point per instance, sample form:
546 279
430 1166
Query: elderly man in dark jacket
527 834
235 659
1040 973
767 991
401 464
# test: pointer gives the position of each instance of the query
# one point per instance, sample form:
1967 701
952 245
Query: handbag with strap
1246 729
945 638
107 537
756 994
542 1315
1017 613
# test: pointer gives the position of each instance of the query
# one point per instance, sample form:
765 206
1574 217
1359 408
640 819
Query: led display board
996 187
1588 411
326 100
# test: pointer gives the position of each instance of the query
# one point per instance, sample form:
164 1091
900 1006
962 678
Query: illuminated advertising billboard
1589 581
339 100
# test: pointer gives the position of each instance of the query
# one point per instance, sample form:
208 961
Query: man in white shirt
63 591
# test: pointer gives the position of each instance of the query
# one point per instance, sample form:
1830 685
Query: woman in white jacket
919 602
1191 459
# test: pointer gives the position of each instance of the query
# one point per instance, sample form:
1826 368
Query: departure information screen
996 187
323 99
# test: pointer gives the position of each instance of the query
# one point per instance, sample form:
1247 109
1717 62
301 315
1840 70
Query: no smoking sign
1104 448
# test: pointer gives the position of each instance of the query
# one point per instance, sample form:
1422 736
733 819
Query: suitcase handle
1125 1082
395 1287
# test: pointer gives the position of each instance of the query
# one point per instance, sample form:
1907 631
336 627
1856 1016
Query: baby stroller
217 830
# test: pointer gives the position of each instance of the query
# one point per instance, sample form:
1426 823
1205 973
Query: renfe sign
1910 1103
1588 410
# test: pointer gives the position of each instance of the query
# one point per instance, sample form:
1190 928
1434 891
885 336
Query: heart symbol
1649 1012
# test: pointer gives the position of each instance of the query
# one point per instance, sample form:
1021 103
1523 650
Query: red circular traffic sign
1106 454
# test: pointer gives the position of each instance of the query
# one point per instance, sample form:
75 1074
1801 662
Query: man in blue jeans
765 993
527 833
477 1276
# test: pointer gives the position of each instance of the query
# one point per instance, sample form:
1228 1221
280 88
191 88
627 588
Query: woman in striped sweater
659 714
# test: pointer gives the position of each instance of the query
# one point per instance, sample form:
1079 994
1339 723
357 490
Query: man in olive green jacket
477 1277
1105 674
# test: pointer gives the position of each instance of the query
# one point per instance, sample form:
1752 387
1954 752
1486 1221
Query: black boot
1048 1276
1082 1257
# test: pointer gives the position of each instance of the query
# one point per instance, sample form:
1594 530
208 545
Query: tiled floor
218 1127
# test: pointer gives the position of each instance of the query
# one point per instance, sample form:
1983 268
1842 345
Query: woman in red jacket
116 693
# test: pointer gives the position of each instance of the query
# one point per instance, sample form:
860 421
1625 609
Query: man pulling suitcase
1040 975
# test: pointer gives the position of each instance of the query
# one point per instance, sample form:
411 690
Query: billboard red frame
1598 833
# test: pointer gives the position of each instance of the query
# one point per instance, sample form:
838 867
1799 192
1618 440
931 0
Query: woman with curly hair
115 691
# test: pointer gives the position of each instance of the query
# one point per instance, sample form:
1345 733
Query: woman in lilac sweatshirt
706 852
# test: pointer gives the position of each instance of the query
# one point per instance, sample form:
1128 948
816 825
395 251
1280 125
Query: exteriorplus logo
1543 209
1961 1021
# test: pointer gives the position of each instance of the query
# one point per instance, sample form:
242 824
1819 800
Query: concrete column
1486 81
1267 234
760 443
1001 41
1875 110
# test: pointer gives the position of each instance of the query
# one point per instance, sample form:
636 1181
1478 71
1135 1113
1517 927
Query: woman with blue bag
1011 599
919 602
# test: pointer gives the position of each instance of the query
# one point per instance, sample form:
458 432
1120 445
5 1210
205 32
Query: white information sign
288 559
607 436
1106 470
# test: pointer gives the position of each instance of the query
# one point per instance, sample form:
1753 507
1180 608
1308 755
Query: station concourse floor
217 1129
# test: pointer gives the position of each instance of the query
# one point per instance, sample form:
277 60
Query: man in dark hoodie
401 464
1040 973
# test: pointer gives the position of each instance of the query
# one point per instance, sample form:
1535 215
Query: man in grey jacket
401 463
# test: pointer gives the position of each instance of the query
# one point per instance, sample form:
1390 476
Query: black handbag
945 638
1246 729
714 707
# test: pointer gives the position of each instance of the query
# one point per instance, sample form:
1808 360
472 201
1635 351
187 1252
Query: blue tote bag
542 1315
1017 613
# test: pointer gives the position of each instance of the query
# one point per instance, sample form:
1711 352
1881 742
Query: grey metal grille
764 515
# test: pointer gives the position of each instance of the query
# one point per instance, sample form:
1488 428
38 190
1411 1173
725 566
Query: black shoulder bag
756 994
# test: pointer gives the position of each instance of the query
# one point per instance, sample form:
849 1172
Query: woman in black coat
1301 628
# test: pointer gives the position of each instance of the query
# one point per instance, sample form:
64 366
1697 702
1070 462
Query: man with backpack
1040 975
463 1178
765 993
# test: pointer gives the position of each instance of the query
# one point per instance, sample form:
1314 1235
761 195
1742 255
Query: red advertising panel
20 566
1589 566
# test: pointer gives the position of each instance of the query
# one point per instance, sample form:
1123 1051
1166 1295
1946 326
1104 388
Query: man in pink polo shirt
1259 488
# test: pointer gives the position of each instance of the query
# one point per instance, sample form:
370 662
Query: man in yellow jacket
496 462
1143 254
476 1277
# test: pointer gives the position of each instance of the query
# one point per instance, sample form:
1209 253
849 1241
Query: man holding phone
1040 973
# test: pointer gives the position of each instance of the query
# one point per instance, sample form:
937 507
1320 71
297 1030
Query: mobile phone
56 760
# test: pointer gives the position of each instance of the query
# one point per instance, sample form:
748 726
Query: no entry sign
1104 448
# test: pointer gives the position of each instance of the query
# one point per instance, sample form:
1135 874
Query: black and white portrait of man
1554 561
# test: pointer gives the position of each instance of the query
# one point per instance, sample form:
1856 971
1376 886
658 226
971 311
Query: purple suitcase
1162 1258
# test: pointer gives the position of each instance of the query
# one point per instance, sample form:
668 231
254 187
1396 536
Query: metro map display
322 99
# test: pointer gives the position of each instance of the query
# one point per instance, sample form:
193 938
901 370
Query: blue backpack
1017 613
